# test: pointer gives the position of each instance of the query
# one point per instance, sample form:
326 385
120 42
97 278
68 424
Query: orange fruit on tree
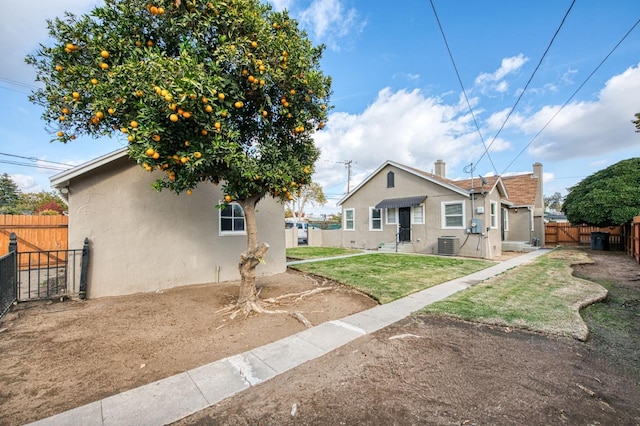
100 114
156 155
149 43
62 118
189 192
221 96
65 110
60 134
254 44
204 100
197 154
149 152
59 68
238 104
223 114
153 10
75 95
156 138
186 114
111 110
217 125
131 138
104 54
184 160
104 65
208 108
187 143
173 117
227 198
134 124
160 10
204 132
94 81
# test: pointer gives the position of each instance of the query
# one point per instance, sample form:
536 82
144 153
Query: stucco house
412 210
142 240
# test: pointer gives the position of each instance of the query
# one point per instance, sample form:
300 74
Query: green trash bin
599 241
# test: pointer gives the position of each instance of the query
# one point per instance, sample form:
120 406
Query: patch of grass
541 296
388 276
304 253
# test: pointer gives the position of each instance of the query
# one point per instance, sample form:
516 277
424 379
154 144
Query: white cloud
281 4
403 126
494 82
588 128
26 183
329 21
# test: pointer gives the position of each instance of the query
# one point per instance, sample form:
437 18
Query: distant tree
608 197
49 208
553 202
9 195
33 202
308 194
223 91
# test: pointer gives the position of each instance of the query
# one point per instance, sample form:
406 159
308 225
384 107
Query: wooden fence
634 237
35 233
568 234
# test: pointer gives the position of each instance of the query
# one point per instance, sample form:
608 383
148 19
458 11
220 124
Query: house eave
62 179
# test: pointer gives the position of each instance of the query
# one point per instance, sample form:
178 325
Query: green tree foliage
9 195
554 201
308 194
35 202
220 91
606 198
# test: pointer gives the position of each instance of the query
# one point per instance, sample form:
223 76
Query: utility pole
347 164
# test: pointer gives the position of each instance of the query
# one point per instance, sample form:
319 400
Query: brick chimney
440 168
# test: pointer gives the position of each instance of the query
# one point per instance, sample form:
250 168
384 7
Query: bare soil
422 370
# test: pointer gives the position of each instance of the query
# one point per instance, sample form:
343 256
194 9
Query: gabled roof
62 179
424 175
522 189
462 187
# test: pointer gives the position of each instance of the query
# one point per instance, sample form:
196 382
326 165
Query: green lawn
389 276
304 253
542 296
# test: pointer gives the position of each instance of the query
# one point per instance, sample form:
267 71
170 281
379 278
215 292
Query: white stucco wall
143 240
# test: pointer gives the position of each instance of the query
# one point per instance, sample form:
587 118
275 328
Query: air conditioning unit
448 246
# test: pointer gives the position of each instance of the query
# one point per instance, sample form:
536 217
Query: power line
573 94
36 166
464 92
34 159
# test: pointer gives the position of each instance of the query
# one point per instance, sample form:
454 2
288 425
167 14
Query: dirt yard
422 370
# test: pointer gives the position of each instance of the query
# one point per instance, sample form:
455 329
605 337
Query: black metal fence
35 275
8 282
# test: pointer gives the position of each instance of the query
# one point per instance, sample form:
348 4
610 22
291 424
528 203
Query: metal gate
45 274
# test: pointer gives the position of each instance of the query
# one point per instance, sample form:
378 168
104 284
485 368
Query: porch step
518 246
391 248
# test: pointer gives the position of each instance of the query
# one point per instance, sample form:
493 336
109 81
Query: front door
405 224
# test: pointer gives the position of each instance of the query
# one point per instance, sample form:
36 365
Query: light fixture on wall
64 189
516 210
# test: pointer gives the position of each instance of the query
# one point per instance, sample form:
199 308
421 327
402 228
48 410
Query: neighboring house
143 240
428 213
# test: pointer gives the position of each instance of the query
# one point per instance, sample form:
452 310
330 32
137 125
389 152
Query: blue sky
396 92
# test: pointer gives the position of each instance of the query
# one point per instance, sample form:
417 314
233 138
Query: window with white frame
392 216
232 219
493 214
417 216
453 215
349 220
375 219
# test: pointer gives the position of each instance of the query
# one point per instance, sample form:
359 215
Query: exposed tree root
263 306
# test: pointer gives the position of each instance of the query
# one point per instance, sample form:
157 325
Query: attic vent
448 246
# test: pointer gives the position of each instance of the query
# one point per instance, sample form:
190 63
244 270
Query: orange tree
226 92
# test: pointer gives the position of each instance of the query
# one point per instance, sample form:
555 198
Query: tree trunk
248 297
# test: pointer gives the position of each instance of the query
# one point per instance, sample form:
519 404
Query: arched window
390 180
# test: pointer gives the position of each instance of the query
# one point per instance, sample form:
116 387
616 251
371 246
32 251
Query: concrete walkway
176 397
